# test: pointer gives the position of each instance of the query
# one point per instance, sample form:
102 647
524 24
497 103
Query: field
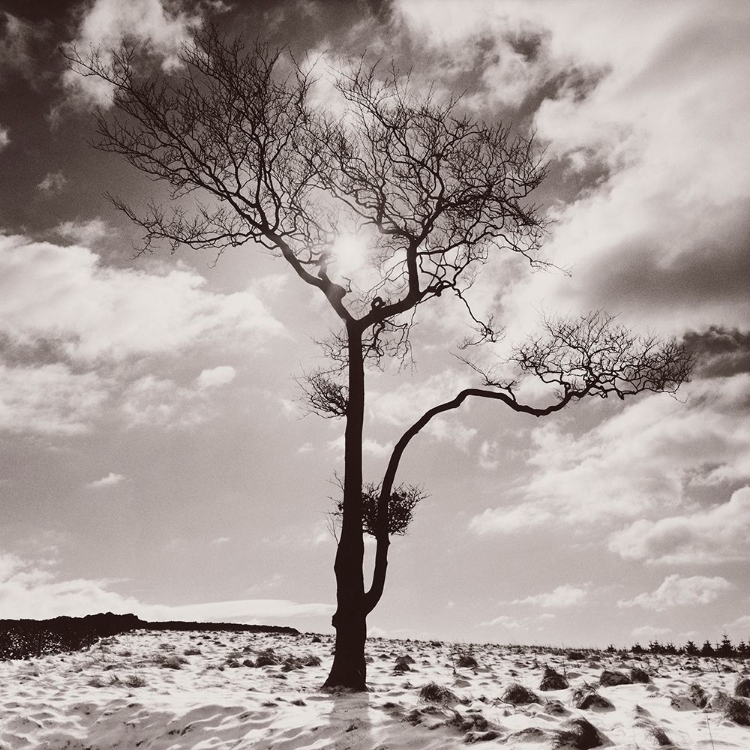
173 690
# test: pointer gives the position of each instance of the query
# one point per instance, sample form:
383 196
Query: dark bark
349 669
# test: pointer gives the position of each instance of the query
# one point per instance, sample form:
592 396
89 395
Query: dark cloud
710 269
302 25
719 352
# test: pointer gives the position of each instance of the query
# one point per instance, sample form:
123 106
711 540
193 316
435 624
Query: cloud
565 595
510 520
720 352
68 296
587 478
159 27
488 455
374 448
83 232
16 39
53 183
220 540
50 399
676 591
159 402
31 590
110 480
504 621
71 329
715 535
4 137
215 377
641 118
650 632
402 406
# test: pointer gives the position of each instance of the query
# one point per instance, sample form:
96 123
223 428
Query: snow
175 690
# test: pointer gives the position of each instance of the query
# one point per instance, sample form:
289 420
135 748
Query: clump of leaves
404 499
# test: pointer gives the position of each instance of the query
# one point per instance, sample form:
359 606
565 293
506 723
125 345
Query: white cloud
718 534
4 137
650 632
82 231
216 376
488 455
504 621
587 478
645 109
50 399
53 183
160 27
220 540
156 402
565 595
30 590
110 480
66 295
676 591
510 520
374 448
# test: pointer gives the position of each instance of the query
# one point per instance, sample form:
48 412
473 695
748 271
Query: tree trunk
348 670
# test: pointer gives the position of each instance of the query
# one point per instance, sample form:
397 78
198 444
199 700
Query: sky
155 456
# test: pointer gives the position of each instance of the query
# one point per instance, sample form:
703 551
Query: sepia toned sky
154 454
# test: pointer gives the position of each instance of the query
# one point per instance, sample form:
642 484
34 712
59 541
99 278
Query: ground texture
171 690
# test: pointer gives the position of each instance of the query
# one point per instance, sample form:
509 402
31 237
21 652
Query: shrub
134 681
552 680
610 678
518 695
434 693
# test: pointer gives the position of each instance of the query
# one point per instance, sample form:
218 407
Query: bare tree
436 193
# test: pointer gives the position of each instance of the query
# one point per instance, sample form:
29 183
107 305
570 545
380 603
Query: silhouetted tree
725 648
691 649
434 192
707 649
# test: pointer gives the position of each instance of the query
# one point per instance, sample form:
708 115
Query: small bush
170 662
518 695
639 675
585 698
611 679
466 661
578 733
134 681
697 695
742 688
435 693
552 680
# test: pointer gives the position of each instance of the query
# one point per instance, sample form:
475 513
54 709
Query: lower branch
372 597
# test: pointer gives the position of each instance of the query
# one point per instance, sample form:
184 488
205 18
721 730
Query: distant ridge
23 639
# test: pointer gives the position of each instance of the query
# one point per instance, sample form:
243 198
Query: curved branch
372 597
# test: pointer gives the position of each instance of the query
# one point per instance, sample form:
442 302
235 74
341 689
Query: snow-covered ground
203 690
